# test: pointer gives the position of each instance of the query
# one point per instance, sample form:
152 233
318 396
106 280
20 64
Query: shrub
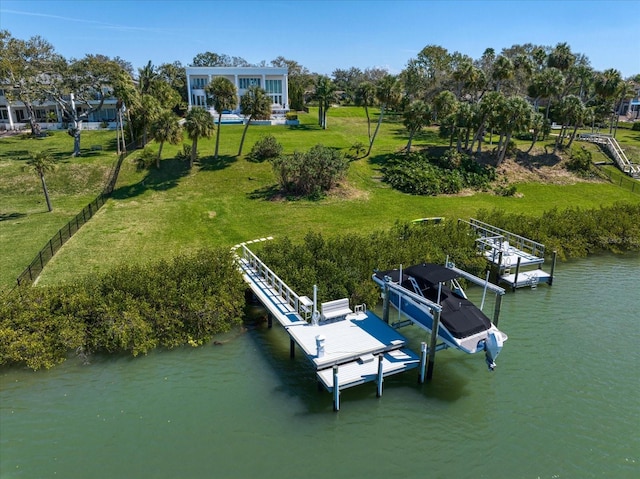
310 174
146 158
265 148
580 161
636 126
185 154
291 116
417 174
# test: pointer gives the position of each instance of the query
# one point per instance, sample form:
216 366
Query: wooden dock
353 349
514 260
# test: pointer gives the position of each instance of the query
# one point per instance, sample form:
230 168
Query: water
564 402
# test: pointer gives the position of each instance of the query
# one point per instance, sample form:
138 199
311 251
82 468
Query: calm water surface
564 402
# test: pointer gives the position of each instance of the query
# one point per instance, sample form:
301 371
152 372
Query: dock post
499 268
292 348
496 310
380 376
336 389
515 280
269 320
432 344
423 361
553 266
385 301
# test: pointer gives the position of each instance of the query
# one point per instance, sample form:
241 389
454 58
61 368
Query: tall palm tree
225 97
503 70
325 94
416 116
537 124
41 163
166 128
365 97
387 94
546 84
607 85
198 123
256 105
572 112
513 117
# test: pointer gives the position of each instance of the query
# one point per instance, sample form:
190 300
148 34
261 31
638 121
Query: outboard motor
492 347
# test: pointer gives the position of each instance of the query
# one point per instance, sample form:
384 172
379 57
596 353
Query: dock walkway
355 349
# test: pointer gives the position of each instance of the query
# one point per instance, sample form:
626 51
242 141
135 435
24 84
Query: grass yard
156 213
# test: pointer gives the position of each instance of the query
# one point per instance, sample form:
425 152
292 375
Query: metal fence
618 178
29 275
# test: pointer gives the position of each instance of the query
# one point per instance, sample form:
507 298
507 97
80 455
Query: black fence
623 180
29 275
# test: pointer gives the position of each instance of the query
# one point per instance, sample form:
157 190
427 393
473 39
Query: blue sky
330 34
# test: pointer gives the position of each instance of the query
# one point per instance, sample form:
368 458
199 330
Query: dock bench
335 309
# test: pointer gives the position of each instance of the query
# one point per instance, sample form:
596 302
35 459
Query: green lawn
157 213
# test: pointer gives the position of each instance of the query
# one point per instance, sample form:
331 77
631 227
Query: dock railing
491 236
272 279
617 153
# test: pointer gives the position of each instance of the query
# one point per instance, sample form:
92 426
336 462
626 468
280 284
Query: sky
326 35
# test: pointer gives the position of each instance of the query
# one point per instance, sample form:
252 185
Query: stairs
612 146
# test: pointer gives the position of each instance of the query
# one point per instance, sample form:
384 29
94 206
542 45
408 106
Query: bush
265 148
636 126
580 161
146 158
129 309
185 154
416 174
291 116
312 173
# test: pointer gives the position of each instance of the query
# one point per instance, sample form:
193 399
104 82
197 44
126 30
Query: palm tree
514 116
387 94
166 128
561 57
503 70
607 85
325 94
41 163
416 116
256 105
572 112
365 97
225 97
537 124
198 123
547 84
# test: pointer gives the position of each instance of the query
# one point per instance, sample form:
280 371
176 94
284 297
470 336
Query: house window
20 116
198 83
41 114
2 92
244 83
198 100
4 114
273 86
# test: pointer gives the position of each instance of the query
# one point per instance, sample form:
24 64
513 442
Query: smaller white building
270 79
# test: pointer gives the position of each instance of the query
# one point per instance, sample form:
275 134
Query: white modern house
270 79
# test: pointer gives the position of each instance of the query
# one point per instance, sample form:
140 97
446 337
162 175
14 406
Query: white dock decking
353 343
517 260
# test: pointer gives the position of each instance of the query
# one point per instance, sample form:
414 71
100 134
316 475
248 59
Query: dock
513 259
346 347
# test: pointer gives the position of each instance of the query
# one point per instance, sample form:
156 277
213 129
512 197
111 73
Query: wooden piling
269 320
515 280
336 389
499 267
553 266
496 310
292 348
380 376
432 344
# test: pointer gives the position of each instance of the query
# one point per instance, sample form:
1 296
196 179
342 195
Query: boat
422 290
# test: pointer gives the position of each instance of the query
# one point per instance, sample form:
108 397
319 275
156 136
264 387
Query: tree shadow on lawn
163 179
11 216
266 193
532 162
209 163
